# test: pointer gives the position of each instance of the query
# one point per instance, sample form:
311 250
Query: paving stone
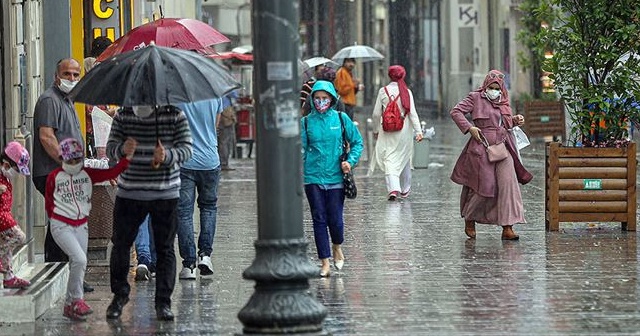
409 270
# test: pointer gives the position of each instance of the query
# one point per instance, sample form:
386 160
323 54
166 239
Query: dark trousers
226 144
327 206
52 252
128 214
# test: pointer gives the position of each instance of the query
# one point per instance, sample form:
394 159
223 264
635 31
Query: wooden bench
543 118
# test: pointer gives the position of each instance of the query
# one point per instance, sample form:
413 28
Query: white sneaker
205 266
142 273
187 273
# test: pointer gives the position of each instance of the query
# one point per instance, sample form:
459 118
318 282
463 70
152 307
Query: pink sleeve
459 111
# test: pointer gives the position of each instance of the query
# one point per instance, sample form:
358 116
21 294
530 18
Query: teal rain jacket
322 141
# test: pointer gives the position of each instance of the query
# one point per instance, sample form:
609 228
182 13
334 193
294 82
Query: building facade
447 48
35 35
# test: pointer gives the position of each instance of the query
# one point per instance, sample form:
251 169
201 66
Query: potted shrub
595 68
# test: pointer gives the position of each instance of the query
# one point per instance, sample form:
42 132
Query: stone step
20 258
48 285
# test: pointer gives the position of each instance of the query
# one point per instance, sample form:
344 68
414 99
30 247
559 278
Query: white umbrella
315 61
362 52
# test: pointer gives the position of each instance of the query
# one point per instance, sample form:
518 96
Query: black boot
164 313
115 308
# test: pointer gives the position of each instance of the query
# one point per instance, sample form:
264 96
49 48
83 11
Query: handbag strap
344 138
483 140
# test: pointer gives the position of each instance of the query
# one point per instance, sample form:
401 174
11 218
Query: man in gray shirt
54 119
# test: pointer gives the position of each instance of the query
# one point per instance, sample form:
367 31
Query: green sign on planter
544 119
592 184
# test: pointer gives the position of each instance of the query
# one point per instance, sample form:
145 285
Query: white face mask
493 94
10 173
66 85
72 169
142 111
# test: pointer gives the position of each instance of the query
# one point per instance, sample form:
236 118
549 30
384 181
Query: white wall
231 17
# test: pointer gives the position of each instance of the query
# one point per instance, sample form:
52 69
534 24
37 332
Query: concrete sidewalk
409 270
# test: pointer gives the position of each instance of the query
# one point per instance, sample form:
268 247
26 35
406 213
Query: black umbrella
154 76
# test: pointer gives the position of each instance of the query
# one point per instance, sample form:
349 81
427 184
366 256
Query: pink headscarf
396 74
495 76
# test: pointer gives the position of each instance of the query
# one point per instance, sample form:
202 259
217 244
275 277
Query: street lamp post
281 303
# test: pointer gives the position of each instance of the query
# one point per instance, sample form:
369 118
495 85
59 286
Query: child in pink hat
15 161
68 203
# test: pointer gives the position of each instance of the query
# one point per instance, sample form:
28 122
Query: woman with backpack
395 123
324 132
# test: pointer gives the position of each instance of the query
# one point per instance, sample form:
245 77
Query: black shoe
86 287
163 313
115 308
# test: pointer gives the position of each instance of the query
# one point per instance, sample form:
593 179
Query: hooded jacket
322 141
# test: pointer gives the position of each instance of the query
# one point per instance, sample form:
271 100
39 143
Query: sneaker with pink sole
77 310
392 196
16 282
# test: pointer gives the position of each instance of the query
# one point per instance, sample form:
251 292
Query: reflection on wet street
409 269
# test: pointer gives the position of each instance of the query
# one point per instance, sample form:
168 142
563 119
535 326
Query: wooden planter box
590 185
543 118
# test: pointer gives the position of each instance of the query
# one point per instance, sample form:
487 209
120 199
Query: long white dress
394 150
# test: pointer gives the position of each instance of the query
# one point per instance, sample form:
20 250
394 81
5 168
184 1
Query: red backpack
392 117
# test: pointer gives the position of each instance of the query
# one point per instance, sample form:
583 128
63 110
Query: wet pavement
409 270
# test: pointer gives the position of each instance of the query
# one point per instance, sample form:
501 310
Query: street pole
281 303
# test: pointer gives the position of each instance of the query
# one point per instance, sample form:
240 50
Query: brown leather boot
508 234
470 228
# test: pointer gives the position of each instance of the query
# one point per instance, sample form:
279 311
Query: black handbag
350 189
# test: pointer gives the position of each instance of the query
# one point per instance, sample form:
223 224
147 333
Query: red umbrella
186 34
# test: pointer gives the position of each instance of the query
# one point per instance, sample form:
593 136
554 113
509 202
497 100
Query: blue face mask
322 104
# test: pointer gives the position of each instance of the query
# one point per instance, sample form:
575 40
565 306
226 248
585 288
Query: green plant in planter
595 65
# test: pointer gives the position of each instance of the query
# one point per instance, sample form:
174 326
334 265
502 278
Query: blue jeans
206 183
145 248
326 207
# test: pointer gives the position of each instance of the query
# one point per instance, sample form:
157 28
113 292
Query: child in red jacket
15 160
68 202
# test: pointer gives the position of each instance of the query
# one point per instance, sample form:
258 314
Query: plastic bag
429 133
521 138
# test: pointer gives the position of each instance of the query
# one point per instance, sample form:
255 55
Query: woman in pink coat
490 190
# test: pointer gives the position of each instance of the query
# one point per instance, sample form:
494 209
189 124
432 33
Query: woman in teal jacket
322 148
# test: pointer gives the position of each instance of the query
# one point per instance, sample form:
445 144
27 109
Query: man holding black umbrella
151 185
